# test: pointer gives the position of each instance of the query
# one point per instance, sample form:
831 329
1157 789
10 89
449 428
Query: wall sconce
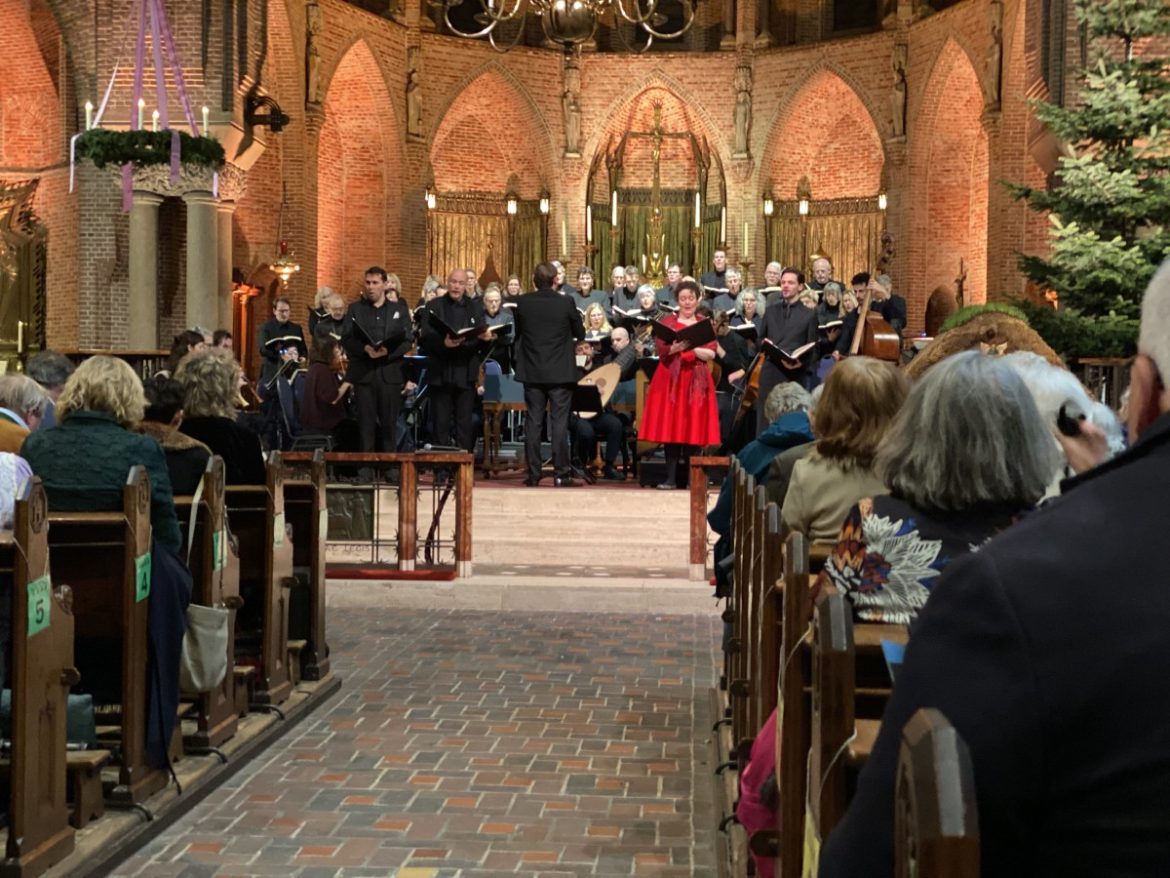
803 207
883 202
544 203
769 205
430 200
512 204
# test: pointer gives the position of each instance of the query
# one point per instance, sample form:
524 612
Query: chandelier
570 22
284 266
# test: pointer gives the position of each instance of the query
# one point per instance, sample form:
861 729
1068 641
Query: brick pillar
224 211
202 261
143 311
314 121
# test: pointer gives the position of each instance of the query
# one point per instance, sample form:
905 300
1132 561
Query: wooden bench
42 671
216 584
104 558
738 646
256 519
936 819
306 511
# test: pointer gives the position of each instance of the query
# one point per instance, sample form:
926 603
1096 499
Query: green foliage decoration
103 146
970 312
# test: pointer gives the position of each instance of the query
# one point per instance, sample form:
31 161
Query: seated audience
862 396
1047 651
85 459
186 457
780 469
211 381
22 407
325 408
50 370
965 457
14 472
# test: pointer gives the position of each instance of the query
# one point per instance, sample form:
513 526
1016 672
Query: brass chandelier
570 22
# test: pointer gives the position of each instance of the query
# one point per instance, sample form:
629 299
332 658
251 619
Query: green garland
970 312
103 146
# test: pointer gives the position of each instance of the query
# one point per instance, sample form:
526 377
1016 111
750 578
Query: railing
458 468
700 546
145 363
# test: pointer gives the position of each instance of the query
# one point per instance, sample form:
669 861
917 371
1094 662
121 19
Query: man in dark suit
1047 650
547 328
788 325
282 345
375 370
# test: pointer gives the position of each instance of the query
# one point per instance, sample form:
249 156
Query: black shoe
612 475
566 483
666 486
532 482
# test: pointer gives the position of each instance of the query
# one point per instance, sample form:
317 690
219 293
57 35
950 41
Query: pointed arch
504 142
358 171
950 146
842 154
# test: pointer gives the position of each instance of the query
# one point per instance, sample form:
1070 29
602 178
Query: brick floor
470 744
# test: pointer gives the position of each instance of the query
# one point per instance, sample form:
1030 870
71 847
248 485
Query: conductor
547 329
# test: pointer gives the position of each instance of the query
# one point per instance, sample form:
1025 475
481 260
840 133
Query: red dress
680 404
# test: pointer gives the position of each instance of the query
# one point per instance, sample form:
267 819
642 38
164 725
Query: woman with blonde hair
595 320
211 382
860 400
84 460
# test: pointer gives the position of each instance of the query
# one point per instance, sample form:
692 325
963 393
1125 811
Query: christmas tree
1110 205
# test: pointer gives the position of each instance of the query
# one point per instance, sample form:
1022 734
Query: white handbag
203 663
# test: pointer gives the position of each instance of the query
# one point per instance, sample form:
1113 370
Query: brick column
143 310
224 211
202 261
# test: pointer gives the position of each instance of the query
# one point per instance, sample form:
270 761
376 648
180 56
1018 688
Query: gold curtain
847 231
462 228
631 245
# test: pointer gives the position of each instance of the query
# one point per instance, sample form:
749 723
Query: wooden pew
936 819
756 635
792 724
104 558
306 510
256 519
739 646
770 613
216 584
42 671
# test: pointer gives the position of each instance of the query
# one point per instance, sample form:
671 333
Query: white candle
138 119
747 241
88 115
698 210
20 336
206 118
154 121
723 224
564 237
613 210
589 224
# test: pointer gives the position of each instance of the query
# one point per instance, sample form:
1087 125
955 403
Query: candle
138 119
613 210
206 117
589 224
154 121
88 115
20 336
698 210
747 242
564 237
723 224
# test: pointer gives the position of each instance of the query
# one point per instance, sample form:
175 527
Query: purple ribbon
176 65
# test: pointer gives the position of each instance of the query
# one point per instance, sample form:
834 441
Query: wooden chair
306 511
256 519
104 558
216 584
39 833
936 819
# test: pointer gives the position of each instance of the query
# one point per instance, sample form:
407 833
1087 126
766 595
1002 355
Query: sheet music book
747 331
698 334
832 324
767 290
777 354
284 341
449 330
716 290
597 337
381 343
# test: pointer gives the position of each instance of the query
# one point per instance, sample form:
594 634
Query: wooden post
463 520
407 515
698 536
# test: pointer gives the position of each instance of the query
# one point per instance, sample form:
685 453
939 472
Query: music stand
587 399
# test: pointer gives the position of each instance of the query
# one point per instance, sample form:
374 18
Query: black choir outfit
270 352
607 426
453 373
501 346
377 381
788 325
583 301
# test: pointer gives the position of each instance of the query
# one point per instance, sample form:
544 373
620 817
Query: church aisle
469 743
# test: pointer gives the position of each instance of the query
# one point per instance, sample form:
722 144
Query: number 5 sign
40 603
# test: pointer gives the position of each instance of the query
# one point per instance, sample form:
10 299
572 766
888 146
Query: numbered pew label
40 604
218 550
142 577
278 529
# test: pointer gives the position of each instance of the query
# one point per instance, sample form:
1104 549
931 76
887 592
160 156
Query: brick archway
950 145
824 131
490 133
359 175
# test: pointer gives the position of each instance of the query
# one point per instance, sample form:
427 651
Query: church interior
523 682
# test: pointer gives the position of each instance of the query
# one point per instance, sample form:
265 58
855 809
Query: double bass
873 336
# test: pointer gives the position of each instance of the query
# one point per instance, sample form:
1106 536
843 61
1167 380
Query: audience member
22 408
186 342
211 381
965 457
186 457
50 370
14 472
780 469
84 460
1046 650
861 398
